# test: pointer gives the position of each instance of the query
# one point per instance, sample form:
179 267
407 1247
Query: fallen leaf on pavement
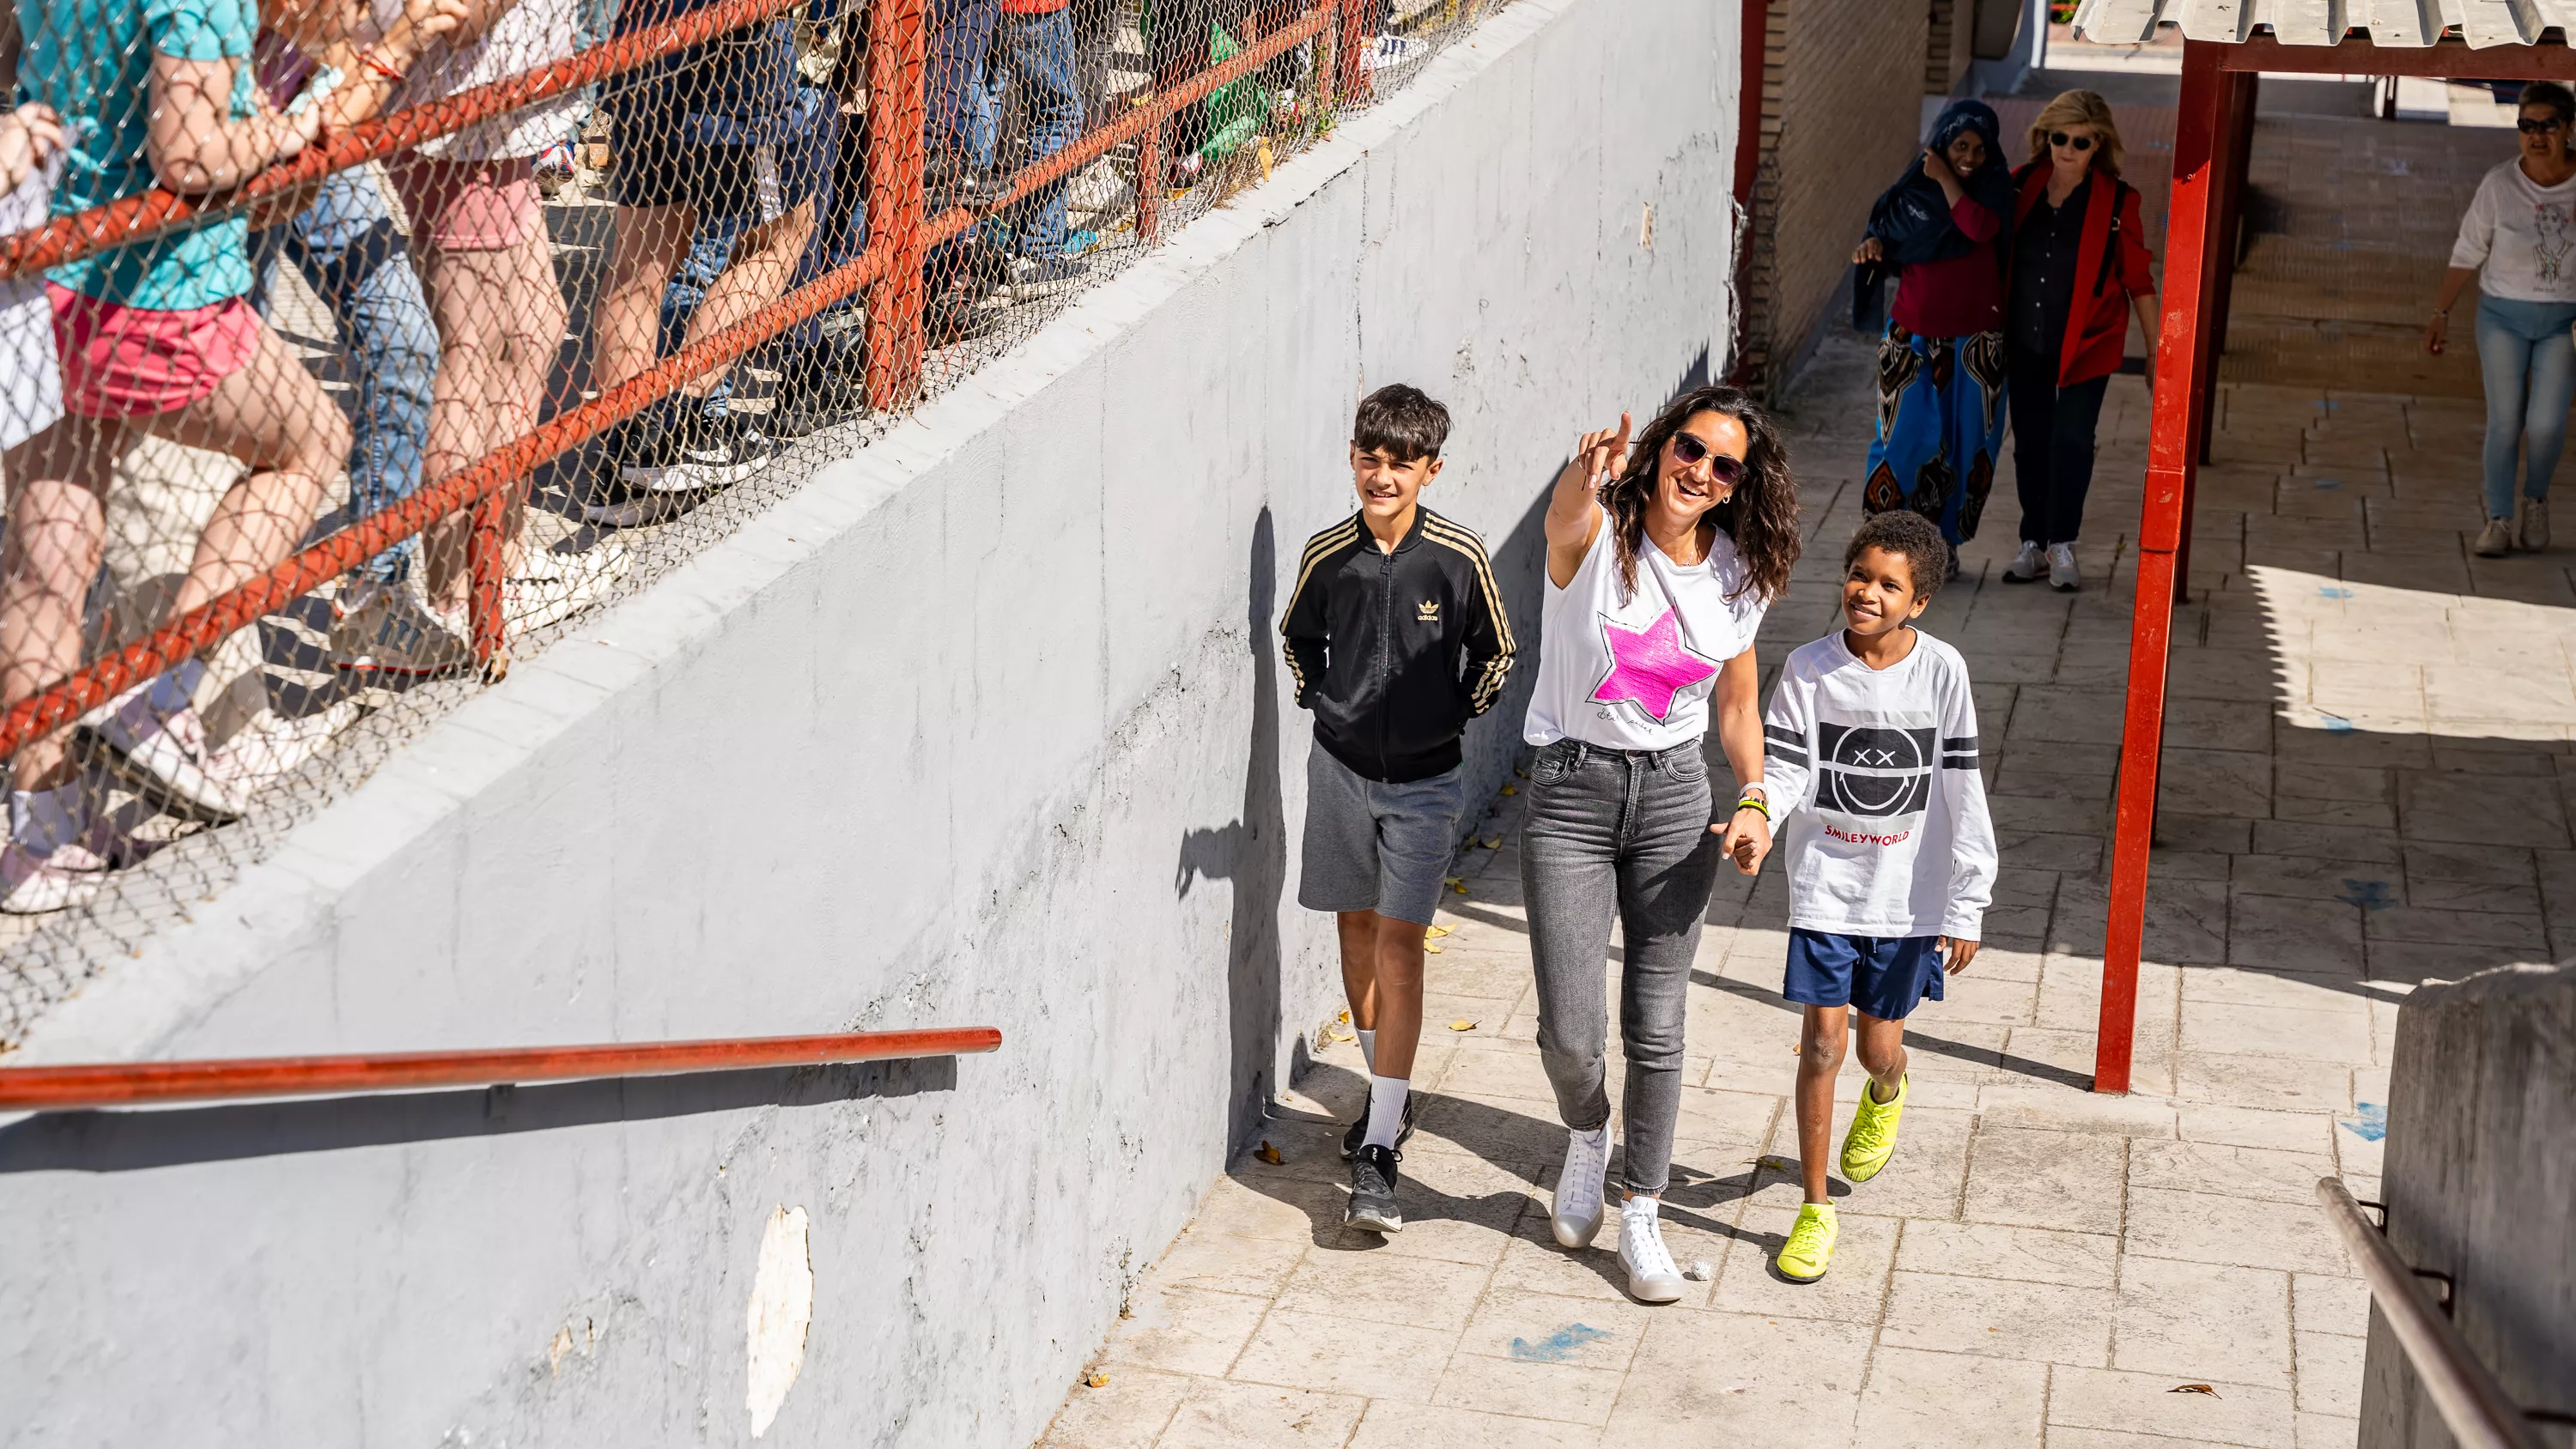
1511 789
1462 1024
1267 1153
2194 1389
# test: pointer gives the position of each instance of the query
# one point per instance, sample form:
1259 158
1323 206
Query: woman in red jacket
2080 265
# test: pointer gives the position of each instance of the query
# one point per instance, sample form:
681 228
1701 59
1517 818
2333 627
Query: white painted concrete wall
987 725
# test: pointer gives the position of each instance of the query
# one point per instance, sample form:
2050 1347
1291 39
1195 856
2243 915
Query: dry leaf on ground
1462 1024
2194 1389
1269 1154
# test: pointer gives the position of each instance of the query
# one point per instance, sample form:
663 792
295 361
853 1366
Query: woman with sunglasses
1659 567
1941 358
2080 266
2519 241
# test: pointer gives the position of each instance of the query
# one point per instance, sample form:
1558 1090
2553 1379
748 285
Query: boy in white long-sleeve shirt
1870 756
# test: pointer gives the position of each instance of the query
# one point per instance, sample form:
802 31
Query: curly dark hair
1904 531
1761 516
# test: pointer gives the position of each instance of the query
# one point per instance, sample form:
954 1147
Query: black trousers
2052 447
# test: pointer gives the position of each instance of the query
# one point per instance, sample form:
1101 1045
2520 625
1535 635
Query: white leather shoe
1576 1216
1652 1276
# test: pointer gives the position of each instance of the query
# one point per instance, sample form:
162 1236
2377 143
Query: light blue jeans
346 247
979 52
2530 366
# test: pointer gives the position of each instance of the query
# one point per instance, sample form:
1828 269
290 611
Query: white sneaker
34 885
2495 540
1576 1216
380 629
2026 566
549 587
1652 1277
272 746
2535 524
151 740
2061 567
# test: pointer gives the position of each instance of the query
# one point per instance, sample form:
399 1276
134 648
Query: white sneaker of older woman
2534 533
2061 568
2027 565
2495 540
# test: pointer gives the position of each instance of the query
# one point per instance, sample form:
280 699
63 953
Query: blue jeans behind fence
2530 368
979 52
345 245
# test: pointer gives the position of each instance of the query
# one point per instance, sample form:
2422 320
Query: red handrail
117 1084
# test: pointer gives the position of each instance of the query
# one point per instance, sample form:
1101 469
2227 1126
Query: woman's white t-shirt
2524 236
1635 671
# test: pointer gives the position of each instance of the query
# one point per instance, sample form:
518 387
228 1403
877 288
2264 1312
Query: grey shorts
1372 846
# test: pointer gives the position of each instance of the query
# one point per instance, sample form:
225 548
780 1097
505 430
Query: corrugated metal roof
2324 22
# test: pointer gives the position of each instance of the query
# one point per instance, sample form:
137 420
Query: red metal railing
128 1084
900 236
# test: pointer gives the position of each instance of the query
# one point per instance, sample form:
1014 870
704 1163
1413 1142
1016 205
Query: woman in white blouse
2519 241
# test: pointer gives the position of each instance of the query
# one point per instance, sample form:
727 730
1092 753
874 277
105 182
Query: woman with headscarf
1942 226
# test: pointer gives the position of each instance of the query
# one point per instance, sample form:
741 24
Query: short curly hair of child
1904 531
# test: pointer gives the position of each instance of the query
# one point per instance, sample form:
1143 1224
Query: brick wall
1951 50
1842 87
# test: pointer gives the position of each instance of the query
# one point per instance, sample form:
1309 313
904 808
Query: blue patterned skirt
1940 428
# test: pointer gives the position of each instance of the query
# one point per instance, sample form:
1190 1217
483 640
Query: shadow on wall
134 1141
1252 852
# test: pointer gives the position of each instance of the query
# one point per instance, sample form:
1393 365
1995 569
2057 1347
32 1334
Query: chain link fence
351 349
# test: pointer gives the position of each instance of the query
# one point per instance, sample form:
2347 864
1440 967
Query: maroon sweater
1959 297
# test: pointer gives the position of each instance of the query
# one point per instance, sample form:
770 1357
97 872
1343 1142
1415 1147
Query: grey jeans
1624 831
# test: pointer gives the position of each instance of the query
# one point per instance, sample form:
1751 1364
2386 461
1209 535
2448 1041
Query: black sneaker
1372 1208
1358 1134
823 385
651 472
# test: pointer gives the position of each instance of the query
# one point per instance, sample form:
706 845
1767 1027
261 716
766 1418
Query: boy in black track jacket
1397 637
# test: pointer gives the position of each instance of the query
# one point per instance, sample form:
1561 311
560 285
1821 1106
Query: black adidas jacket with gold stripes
1395 652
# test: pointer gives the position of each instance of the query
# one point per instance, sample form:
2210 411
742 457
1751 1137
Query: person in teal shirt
153 338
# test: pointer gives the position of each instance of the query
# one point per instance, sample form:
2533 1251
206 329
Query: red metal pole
2179 407
1755 43
898 56
1358 83
119 1084
486 562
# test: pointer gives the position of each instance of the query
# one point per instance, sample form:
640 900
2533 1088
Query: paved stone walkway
2363 789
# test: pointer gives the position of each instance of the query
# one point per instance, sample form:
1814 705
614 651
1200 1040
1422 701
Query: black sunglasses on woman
1724 467
2078 143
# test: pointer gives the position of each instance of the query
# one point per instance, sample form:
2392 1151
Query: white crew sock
1386 1109
1368 1049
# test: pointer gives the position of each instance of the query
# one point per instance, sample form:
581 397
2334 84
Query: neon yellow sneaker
1810 1246
1872 1139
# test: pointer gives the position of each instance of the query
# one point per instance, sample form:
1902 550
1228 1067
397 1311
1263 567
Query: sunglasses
1726 469
2530 127
2078 144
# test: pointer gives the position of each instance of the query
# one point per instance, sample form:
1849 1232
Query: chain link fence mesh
350 349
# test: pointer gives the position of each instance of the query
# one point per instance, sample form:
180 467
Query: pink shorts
132 362
468 206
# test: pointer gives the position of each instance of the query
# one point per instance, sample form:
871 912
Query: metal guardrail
2472 1405
130 1084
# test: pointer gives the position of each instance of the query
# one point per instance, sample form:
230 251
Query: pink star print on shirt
1648 667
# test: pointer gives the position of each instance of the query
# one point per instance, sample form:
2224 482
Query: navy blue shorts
1882 976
